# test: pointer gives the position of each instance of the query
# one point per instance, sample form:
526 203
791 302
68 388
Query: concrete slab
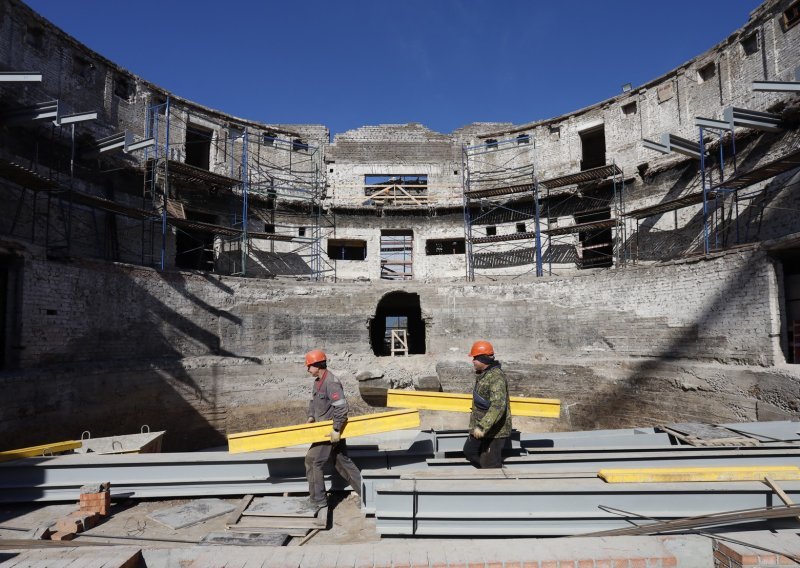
191 513
245 539
281 507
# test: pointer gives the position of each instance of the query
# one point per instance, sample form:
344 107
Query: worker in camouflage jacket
490 421
327 403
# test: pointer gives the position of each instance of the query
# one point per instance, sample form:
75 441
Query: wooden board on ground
317 521
233 518
191 513
245 539
268 530
84 556
698 434
281 507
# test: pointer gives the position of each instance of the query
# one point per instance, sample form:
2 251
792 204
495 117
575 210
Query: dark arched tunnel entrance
401 311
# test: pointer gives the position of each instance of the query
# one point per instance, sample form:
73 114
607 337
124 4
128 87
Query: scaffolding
714 193
253 179
500 186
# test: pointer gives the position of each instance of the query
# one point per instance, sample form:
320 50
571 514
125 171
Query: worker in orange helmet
327 403
490 421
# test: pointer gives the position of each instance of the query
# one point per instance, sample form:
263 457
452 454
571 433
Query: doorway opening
596 246
790 261
398 311
593 148
195 249
397 258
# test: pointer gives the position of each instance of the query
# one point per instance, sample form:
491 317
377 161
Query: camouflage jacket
492 386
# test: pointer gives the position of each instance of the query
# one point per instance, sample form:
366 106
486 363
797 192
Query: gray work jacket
327 400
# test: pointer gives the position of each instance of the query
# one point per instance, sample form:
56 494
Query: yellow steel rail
319 431
457 402
42 450
679 474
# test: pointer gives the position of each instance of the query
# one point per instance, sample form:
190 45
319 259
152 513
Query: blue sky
444 63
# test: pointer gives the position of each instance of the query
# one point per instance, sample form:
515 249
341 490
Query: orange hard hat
481 348
315 356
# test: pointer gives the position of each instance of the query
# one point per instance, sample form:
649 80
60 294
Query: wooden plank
706 435
779 492
233 518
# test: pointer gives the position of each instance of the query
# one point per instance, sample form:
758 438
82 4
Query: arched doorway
397 310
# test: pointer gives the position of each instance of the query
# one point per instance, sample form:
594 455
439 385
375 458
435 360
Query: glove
310 420
335 436
477 433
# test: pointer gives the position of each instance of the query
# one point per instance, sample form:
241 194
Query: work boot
315 503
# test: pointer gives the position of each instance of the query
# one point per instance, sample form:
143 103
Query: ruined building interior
167 264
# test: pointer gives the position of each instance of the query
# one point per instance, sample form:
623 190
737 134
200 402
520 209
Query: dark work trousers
320 454
486 453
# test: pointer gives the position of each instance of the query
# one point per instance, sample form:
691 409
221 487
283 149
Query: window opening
198 147
750 44
491 231
791 16
301 231
396 189
269 228
123 88
523 139
491 144
299 145
397 311
593 148
347 249
520 227
629 109
397 261
34 37
706 72
434 247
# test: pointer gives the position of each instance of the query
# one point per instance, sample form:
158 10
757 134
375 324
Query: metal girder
320 431
776 86
169 475
460 402
75 118
746 118
38 111
711 123
650 145
20 77
681 145
538 507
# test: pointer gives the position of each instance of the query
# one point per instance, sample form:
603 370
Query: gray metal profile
548 507
75 118
711 123
757 120
124 140
680 145
776 86
38 111
650 145
20 77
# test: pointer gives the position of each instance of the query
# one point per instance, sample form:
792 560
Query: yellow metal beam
457 402
43 450
318 431
679 474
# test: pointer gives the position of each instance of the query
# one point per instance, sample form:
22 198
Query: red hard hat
315 356
481 348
